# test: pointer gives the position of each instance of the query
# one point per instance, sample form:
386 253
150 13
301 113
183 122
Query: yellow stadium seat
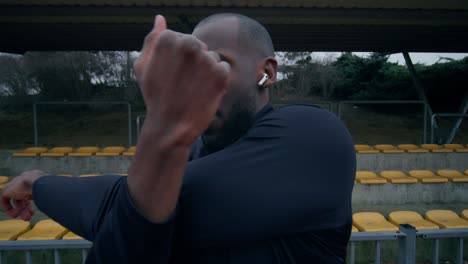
397 177
354 229
44 230
30 152
412 218
84 152
130 151
446 219
385 148
89 175
453 175
71 236
11 229
456 147
411 148
365 149
372 222
57 152
111 151
464 214
466 172
435 148
426 176
369 177
4 179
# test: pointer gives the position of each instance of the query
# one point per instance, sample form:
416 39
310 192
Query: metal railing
444 115
378 237
425 109
35 119
437 234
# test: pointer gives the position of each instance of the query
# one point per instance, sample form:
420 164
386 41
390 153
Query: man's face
238 106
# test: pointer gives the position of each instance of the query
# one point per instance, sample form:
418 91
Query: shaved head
252 36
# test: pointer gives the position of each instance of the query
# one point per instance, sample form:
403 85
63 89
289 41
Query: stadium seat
456 147
89 175
3 181
435 148
385 148
111 151
30 152
369 177
71 236
453 175
411 148
365 149
412 218
446 219
372 222
11 229
466 172
397 177
57 152
130 151
84 152
464 214
426 176
354 229
44 230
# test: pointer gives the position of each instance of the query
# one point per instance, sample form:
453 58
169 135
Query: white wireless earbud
263 80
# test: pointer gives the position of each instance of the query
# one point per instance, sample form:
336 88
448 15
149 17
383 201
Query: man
261 185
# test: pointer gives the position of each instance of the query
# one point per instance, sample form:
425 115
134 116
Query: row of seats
79 152
47 229
410 148
434 219
413 176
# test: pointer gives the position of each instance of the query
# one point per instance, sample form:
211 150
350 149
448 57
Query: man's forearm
156 175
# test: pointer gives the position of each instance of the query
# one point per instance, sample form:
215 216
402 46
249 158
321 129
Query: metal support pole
435 251
463 110
460 251
129 125
84 255
425 125
377 252
56 256
138 126
36 134
28 257
407 245
351 252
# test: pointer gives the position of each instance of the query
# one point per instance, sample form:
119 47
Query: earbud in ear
263 80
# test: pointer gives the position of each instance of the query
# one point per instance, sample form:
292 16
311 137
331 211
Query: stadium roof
314 25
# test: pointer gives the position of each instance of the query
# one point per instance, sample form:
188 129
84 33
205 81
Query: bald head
252 36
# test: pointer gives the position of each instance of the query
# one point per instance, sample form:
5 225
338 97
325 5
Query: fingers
7 207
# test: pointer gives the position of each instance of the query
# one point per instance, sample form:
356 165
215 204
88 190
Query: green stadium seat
386 148
369 177
436 148
30 152
411 148
412 218
57 152
111 151
71 236
464 214
130 151
84 152
453 175
456 147
426 176
372 222
446 219
397 177
365 149
44 230
13 228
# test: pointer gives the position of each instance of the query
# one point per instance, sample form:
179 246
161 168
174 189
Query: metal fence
35 119
455 128
406 238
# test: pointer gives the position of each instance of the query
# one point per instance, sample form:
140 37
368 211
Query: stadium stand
13 228
453 175
456 147
464 214
412 218
397 177
365 149
46 229
372 222
71 236
385 148
84 152
111 151
436 148
411 148
130 151
57 152
30 152
426 176
369 177
446 219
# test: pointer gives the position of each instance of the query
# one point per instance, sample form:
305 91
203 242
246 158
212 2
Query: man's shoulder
300 114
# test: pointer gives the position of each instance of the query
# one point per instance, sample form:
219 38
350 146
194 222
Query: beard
239 120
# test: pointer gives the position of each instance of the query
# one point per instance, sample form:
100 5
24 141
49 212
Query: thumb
160 24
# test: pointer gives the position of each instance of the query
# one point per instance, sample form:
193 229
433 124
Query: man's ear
269 66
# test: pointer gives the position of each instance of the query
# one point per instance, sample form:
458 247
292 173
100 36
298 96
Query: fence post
407 245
